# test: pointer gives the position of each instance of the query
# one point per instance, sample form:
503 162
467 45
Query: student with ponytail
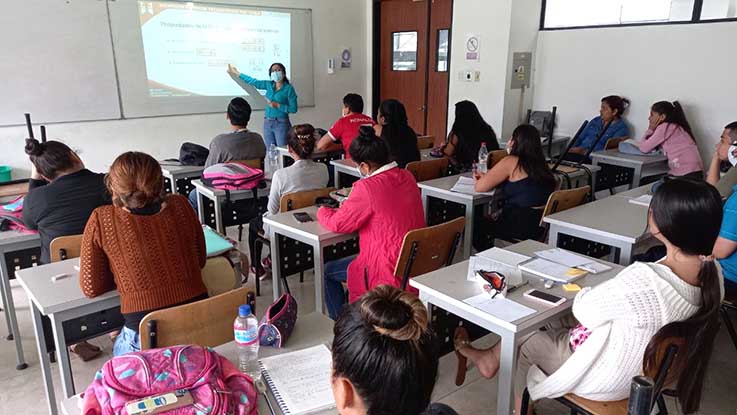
385 359
646 302
669 129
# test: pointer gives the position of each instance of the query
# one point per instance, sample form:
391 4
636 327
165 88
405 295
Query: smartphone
544 297
303 217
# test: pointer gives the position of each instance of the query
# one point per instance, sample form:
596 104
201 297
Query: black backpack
191 154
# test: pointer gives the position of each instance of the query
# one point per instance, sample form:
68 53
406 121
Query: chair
425 141
613 143
495 157
729 304
661 371
289 202
562 200
252 163
206 323
65 247
428 169
427 249
219 277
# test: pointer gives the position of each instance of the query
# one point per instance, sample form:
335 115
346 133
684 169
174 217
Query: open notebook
300 381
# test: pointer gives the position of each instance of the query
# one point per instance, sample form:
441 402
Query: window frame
417 51
695 19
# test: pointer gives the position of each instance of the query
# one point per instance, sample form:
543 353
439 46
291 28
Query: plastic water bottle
245 328
483 159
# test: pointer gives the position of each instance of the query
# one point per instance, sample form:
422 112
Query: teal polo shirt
286 97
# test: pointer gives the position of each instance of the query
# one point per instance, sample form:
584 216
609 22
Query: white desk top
444 184
450 285
171 169
11 237
309 230
612 217
636 192
616 155
347 163
211 192
64 294
311 329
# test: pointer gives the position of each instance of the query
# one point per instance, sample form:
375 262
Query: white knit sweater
623 314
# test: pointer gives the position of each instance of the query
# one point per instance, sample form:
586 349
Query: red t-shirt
346 129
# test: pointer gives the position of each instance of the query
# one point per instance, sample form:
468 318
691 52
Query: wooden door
441 15
403 56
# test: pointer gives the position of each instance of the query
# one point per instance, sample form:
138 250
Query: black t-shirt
62 207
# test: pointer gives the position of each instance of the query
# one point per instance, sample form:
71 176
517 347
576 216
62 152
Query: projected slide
188 46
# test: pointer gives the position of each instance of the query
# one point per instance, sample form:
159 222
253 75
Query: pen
516 286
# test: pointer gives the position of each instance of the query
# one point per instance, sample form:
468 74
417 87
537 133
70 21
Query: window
719 9
586 13
442 52
404 51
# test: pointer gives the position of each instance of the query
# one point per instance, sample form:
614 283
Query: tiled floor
21 392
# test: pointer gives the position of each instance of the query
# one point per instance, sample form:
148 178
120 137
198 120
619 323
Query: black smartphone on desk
303 217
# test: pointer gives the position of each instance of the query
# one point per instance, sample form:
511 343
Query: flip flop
85 351
461 340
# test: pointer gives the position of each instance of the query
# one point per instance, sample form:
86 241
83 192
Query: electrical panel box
521 70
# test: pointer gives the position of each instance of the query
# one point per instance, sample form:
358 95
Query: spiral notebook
300 380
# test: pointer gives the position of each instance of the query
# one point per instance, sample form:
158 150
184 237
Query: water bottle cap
244 310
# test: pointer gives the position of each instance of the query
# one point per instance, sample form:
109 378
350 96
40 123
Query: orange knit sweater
155 261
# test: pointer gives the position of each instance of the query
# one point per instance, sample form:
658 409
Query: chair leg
286 285
240 232
302 276
730 326
258 285
662 408
524 406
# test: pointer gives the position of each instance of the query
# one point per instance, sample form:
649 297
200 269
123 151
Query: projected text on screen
188 46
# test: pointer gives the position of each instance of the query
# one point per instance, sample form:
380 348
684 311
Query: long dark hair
396 132
528 149
283 69
471 129
383 345
51 158
673 114
368 148
688 214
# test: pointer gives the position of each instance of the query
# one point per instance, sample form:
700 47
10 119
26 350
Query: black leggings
254 228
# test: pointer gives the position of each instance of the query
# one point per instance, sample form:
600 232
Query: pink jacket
382 209
678 146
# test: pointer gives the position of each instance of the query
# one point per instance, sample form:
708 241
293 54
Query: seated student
150 246
385 335
725 249
669 129
468 132
383 206
394 129
725 184
611 111
618 318
62 195
238 144
342 133
304 174
525 181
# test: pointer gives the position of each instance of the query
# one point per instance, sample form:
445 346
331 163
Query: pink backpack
216 386
232 176
11 216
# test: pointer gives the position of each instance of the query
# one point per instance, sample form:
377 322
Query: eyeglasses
496 282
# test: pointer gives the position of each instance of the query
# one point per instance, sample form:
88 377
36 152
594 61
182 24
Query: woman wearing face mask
281 98
525 181
383 206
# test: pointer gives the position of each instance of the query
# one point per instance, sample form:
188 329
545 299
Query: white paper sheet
465 185
502 308
570 259
643 200
499 260
552 271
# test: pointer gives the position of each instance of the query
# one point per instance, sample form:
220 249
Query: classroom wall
336 24
692 63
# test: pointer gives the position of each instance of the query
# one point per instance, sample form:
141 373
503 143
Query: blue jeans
336 272
126 342
275 131
193 199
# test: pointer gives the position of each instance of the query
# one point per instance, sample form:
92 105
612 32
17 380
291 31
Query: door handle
423 108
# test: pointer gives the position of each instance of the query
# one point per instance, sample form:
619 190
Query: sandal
461 340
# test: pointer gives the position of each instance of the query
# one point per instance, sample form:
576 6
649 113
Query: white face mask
730 155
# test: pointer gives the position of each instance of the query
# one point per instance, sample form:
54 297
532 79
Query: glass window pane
718 9
404 51
571 13
442 58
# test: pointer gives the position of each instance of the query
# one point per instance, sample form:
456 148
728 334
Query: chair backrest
663 368
303 199
206 323
561 200
428 169
219 277
427 249
252 163
425 141
495 157
613 143
540 120
65 247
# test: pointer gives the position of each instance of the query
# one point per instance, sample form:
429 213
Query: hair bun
367 131
34 147
394 313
